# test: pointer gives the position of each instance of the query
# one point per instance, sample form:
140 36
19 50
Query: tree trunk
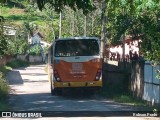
60 25
103 30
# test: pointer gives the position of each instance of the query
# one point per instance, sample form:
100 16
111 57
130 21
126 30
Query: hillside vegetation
17 12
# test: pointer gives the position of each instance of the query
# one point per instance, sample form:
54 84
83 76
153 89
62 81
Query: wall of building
36 39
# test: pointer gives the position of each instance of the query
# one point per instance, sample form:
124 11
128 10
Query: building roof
38 34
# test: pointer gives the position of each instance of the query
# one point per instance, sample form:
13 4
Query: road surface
30 91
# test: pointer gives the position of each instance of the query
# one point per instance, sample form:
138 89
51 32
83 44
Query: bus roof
73 38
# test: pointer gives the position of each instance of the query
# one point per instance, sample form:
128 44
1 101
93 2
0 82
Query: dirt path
31 92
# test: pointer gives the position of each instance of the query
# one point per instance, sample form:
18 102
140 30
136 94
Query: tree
58 5
3 40
140 19
133 17
17 44
49 27
73 23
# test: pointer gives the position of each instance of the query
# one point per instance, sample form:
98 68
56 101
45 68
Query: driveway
30 92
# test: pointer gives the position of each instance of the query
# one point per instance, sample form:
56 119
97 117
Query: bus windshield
67 48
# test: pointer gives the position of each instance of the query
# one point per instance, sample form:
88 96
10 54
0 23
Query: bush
4 69
35 50
18 63
4 91
4 88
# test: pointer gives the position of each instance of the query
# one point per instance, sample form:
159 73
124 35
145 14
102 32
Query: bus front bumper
78 84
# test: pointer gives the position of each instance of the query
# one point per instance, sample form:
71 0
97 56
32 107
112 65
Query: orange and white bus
74 62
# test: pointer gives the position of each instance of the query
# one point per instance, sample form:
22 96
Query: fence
151 84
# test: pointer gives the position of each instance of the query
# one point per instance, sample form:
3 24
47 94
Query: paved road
30 91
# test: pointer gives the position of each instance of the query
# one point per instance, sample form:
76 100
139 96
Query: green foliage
46 49
4 89
30 27
17 44
129 99
23 47
158 74
3 40
18 63
12 46
35 50
58 5
4 69
49 28
73 23
151 36
139 19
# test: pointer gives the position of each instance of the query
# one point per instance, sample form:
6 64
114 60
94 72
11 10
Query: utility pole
85 20
123 38
92 23
103 30
60 24
73 24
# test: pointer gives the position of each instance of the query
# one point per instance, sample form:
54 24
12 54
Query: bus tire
53 91
56 91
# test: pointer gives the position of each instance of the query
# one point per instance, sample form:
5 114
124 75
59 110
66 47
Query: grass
123 97
119 93
18 15
18 63
4 91
4 69
129 100
4 106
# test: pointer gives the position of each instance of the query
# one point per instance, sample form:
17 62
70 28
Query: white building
35 38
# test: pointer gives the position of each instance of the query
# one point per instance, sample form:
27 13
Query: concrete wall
151 84
34 59
21 57
144 84
116 75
